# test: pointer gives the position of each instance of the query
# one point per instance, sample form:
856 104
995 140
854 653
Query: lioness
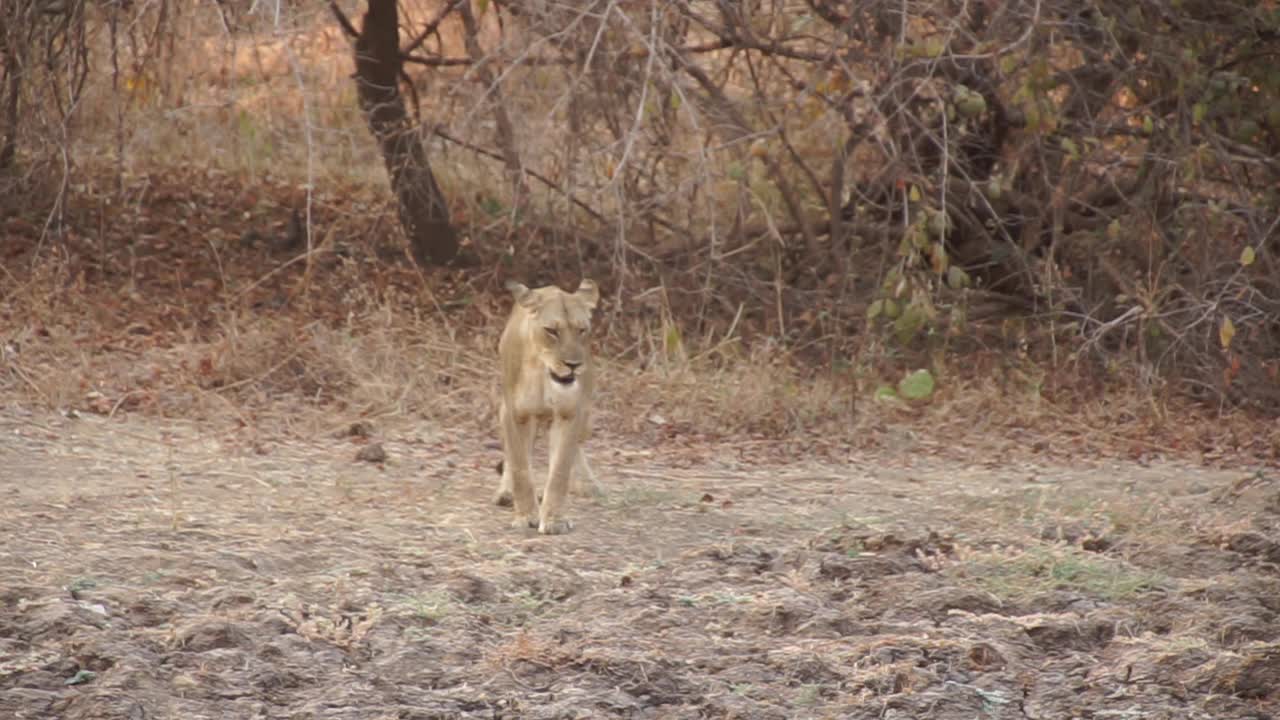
546 375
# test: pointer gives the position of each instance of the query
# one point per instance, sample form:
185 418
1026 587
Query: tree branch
338 15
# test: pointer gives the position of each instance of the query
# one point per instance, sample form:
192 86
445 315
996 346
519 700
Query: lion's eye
552 332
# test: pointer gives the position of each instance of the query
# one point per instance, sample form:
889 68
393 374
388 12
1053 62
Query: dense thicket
1107 171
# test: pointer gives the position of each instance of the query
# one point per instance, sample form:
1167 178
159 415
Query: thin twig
341 17
445 135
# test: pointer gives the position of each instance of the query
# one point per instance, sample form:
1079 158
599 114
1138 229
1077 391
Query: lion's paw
554 526
502 498
525 521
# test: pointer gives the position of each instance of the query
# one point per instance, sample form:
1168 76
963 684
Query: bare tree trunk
10 25
423 211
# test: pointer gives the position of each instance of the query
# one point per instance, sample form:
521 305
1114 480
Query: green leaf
1069 146
909 323
916 386
938 223
736 172
81 677
930 48
919 238
885 393
874 309
892 309
1198 112
971 104
958 278
1148 125
1247 256
992 189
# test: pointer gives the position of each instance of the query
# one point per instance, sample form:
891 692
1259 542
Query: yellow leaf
938 258
1226 332
1247 256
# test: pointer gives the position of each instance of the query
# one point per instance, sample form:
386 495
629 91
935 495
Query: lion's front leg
563 444
516 486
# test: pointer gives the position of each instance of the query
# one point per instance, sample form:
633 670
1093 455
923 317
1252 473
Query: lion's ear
589 293
522 294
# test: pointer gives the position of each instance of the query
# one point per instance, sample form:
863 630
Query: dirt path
169 570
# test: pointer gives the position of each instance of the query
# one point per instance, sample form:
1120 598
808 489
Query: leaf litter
164 566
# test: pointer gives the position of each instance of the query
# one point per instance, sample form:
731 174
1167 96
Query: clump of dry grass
373 365
341 351
756 395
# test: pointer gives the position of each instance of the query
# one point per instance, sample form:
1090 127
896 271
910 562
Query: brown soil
160 569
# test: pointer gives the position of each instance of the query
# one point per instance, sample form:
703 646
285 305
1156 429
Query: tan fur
543 345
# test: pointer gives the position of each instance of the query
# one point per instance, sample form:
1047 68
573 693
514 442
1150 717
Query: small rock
373 453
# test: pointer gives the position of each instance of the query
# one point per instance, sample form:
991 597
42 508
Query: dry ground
163 569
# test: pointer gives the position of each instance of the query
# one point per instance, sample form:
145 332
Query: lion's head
557 325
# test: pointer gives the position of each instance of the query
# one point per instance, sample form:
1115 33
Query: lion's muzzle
566 380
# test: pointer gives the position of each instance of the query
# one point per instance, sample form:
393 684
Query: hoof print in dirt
372 453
